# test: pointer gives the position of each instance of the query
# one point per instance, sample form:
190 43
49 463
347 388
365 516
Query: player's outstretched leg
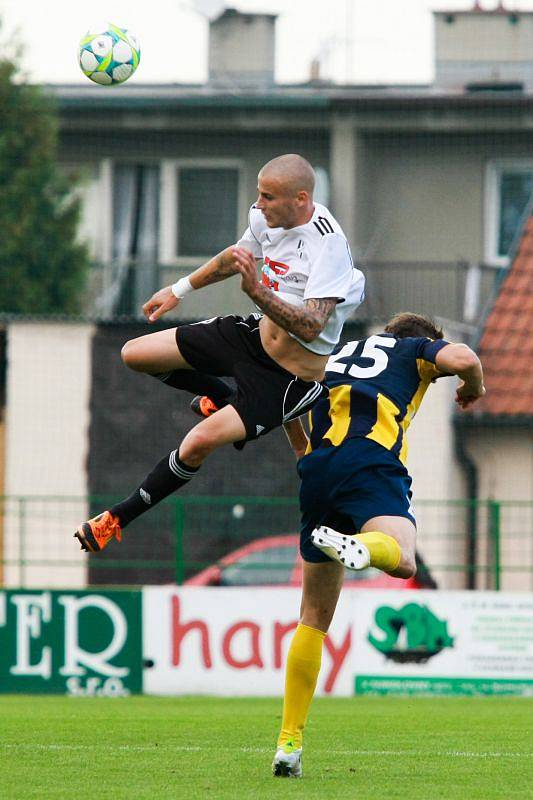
170 474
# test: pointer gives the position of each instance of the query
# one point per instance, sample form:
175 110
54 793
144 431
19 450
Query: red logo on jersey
278 267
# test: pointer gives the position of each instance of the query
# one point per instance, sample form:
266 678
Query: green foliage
42 267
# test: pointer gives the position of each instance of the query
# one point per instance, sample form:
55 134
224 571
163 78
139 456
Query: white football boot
287 762
341 547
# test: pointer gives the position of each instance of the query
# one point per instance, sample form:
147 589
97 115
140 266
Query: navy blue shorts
343 487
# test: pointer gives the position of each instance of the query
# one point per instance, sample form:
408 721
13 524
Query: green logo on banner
81 643
412 633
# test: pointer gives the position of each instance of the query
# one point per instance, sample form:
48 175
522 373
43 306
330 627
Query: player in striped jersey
355 492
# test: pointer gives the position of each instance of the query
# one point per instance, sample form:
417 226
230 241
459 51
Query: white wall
48 385
504 457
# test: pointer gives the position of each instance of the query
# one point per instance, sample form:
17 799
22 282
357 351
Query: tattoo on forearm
220 267
305 322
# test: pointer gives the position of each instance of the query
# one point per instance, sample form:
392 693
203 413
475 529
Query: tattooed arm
218 268
306 321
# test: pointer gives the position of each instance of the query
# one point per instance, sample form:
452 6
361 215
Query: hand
245 263
159 303
466 396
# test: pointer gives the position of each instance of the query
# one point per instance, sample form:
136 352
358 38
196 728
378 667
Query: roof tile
506 345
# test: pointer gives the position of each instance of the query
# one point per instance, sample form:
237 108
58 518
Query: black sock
198 383
169 475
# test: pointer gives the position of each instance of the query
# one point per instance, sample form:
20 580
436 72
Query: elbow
311 330
309 336
458 359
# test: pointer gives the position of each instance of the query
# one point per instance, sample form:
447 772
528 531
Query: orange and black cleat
96 534
203 406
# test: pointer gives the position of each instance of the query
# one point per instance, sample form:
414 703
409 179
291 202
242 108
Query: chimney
242 49
484 49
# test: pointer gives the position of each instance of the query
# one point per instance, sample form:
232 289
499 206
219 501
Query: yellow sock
385 552
303 666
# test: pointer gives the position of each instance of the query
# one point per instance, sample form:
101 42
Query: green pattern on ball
106 64
120 32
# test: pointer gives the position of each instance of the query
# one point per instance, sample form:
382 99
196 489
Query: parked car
276 561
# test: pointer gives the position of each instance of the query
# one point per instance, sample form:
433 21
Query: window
202 209
515 191
509 193
139 216
207 210
134 239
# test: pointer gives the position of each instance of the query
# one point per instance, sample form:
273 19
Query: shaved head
292 172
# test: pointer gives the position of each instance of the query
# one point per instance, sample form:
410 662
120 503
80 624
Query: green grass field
159 748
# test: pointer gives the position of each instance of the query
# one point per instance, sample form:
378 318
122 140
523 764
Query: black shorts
266 395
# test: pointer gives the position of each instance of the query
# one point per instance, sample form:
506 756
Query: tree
43 268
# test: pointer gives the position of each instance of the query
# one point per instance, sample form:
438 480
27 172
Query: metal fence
453 290
247 540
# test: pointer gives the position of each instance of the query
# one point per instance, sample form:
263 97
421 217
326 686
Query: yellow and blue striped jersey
375 386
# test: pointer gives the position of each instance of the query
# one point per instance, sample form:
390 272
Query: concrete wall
47 421
504 457
483 37
425 194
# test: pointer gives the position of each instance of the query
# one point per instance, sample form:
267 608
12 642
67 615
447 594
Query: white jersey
309 261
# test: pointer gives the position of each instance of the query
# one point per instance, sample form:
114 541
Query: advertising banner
234 641
73 642
450 643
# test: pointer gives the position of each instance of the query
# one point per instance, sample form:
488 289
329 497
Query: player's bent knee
131 357
197 445
407 567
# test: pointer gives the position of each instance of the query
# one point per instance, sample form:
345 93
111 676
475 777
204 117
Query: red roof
506 346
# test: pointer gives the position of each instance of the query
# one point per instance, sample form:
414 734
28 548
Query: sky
357 41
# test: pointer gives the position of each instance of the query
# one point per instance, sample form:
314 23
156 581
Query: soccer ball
109 54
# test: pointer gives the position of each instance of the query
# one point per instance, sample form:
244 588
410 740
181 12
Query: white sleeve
249 241
331 273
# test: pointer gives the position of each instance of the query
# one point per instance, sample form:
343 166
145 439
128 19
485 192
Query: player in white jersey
309 287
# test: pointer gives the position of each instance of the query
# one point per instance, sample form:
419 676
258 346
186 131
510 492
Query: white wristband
181 288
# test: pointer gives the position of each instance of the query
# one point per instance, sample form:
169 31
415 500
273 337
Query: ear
302 197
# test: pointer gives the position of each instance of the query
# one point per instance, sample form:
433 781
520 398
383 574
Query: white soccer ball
109 54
